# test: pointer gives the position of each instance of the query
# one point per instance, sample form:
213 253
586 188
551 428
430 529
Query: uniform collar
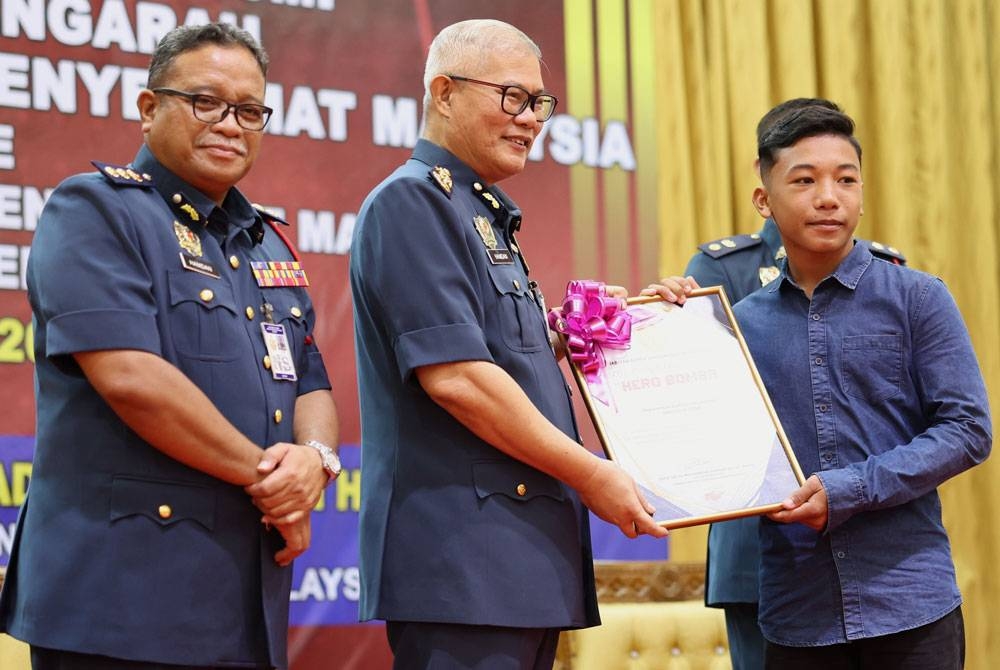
772 238
191 206
464 178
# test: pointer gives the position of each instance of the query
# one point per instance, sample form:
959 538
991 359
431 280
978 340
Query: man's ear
761 202
442 88
147 103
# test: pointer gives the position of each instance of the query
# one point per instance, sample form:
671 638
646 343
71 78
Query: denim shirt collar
848 273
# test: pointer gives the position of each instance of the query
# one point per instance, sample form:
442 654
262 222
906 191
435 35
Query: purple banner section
15 472
326 582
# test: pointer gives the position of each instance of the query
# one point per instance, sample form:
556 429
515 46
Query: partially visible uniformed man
175 371
742 264
474 544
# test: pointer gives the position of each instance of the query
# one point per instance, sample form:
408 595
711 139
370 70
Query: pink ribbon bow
591 321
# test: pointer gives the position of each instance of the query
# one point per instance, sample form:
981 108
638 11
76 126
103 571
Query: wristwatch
331 462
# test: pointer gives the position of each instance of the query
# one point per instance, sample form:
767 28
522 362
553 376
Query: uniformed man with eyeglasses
475 543
174 374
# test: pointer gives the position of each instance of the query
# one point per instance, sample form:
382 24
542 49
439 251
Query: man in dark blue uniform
174 343
742 264
474 543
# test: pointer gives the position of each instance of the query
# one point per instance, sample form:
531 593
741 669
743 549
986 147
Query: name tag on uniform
276 342
500 256
189 262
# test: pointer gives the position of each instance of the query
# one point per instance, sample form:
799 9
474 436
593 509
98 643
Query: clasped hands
291 480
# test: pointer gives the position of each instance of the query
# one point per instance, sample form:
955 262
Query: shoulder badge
885 252
442 176
727 245
122 175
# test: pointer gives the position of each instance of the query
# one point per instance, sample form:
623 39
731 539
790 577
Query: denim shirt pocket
872 366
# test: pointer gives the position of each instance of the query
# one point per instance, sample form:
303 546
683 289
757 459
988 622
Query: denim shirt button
827 457
815 317
841 554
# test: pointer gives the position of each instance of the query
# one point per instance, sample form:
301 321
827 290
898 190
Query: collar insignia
768 275
442 176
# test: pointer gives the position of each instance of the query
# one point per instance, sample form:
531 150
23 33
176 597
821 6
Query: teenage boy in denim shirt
870 368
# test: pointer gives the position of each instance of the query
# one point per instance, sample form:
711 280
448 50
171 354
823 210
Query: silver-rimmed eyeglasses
514 99
210 109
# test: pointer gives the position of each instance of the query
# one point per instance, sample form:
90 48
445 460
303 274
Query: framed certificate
683 410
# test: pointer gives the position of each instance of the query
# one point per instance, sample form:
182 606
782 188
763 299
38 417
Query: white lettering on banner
7 161
7 538
324 584
39 84
13 267
317 233
20 206
72 22
302 114
570 140
394 121
324 5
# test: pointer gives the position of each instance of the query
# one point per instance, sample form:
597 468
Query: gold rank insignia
189 241
123 175
491 199
780 253
768 275
190 210
485 230
442 176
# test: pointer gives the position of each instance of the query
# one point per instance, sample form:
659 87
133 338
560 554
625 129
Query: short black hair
186 38
796 119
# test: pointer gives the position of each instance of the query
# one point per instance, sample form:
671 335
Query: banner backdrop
346 86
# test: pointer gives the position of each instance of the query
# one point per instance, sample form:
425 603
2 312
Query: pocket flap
514 480
163 502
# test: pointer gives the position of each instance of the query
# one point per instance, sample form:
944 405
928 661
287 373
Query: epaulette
122 175
273 220
727 245
442 177
885 252
267 214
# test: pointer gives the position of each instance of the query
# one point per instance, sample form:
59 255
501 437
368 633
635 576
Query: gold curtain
919 77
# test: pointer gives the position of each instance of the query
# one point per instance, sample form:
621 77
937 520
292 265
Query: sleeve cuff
844 496
315 377
440 344
92 330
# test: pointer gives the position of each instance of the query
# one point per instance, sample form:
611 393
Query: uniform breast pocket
204 321
288 307
872 366
522 323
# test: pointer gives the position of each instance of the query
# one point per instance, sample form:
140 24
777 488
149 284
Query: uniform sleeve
88 281
418 276
953 399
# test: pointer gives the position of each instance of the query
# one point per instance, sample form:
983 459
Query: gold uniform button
521 489
277 416
517 285
296 312
728 243
514 248
477 186
206 294
267 362
714 247
251 312
234 262
164 511
176 198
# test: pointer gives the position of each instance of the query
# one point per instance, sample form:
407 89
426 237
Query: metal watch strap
331 462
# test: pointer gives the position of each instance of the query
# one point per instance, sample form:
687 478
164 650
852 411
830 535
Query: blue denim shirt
878 389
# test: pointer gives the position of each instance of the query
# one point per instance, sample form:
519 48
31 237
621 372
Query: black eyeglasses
209 109
514 99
